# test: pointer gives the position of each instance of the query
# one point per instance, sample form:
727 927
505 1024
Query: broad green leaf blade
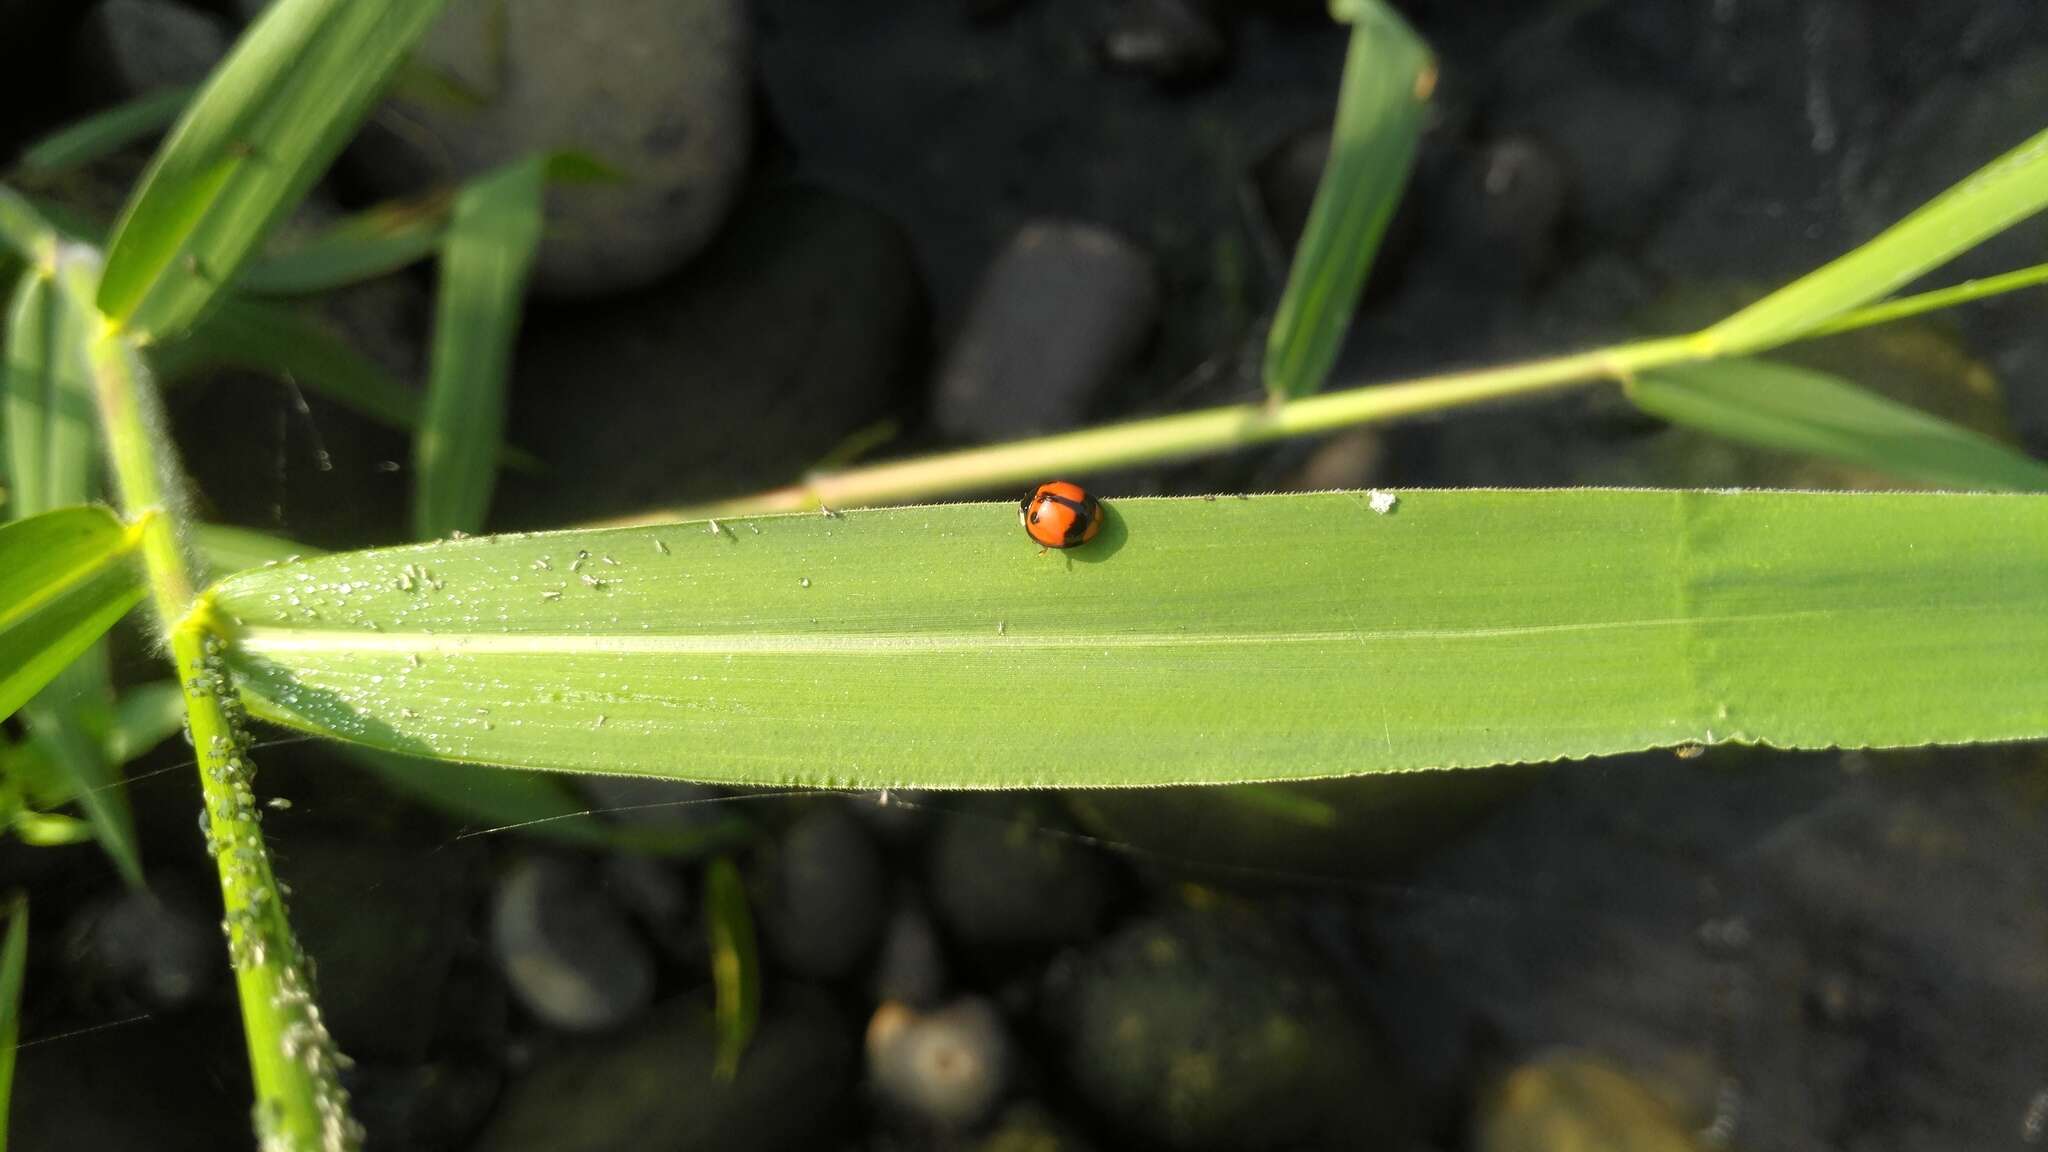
491 242
735 963
107 132
1226 640
1388 76
13 967
65 578
260 132
1994 198
1800 410
362 247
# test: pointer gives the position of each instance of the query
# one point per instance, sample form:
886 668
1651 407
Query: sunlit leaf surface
1234 639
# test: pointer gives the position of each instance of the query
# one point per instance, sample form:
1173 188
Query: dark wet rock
383 924
1023 121
911 965
740 373
1171 41
1499 214
652 891
1809 950
657 90
1213 1027
1619 148
1027 1127
432 1107
1282 190
177 1082
1005 872
568 951
823 894
1062 312
1317 828
150 950
946 1069
656 1087
1563 1100
1350 460
138 46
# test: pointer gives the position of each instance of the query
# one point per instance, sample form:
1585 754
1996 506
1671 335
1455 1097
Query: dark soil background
959 221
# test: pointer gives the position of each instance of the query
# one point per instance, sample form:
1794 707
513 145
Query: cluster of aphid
258 935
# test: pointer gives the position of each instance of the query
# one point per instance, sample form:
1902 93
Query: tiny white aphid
1381 502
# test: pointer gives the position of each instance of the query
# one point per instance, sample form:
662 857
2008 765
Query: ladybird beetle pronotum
1060 515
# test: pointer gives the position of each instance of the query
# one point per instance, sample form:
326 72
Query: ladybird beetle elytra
1060 515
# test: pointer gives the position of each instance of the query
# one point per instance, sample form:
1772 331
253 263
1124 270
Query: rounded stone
569 954
658 91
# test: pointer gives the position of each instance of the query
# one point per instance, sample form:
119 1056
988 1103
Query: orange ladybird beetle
1060 515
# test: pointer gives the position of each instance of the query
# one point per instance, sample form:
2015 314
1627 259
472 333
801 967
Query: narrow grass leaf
1232 640
1997 196
145 716
281 340
105 133
65 578
735 963
362 247
490 246
1388 77
13 969
1813 413
46 401
52 453
261 131
23 228
50 830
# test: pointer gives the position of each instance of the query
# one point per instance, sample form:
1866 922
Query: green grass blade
65 722
23 228
13 968
490 247
735 963
1999 195
1812 413
280 340
65 578
46 400
362 247
1228 640
44 830
145 716
105 133
1388 76
261 131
